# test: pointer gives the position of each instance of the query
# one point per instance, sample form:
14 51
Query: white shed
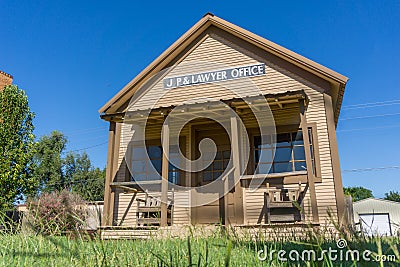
377 216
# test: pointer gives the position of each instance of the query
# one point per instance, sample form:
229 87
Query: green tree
358 193
86 180
49 162
16 146
393 196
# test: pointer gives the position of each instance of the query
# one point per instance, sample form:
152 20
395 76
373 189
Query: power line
372 169
88 147
373 104
370 128
86 129
371 116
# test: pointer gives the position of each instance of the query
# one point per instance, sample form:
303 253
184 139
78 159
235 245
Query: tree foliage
49 162
358 193
16 146
72 172
86 180
393 196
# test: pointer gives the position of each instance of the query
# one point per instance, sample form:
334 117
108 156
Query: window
217 167
144 169
289 153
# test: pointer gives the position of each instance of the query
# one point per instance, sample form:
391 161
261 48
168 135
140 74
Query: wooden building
304 183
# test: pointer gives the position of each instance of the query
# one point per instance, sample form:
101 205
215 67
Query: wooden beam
310 174
108 192
238 194
337 175
164 183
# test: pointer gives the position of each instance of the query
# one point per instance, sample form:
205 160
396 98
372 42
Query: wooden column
164 173
108 198
235 152
310 173
189 175
337 175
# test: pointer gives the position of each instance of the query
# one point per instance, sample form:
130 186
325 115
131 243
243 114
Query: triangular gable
198 34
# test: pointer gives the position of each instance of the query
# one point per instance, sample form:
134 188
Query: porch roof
279 99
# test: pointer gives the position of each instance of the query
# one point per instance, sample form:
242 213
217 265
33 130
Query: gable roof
372 199
116 102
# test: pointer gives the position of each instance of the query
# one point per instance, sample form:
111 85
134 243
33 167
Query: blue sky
72 56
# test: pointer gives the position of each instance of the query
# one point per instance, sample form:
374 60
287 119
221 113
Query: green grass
217 250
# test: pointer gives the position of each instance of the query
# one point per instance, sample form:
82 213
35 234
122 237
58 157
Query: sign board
214 76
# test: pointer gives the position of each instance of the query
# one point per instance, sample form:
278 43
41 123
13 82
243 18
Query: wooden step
151 220
282 218
127 234
281 204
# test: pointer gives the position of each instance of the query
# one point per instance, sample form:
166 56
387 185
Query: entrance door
214 212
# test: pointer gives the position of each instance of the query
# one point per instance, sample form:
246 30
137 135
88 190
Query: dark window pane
226 154
283 167
297 138
312 152
299 153
226 162
156 163
172 167
283 140
173 177
264 168
154 151
218 165
217 175
265 142
310 136
139 153
283 154
219 155
207 176
265 155
300 166
138 166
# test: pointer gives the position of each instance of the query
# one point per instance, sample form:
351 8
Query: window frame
156 142
253 132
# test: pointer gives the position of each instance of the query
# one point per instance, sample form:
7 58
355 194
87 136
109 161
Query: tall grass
223 247
216 250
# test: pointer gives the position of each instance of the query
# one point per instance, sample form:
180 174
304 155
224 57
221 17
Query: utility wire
373 169
369 128
371 116
80 149
373 104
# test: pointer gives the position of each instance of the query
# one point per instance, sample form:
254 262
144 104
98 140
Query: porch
253 194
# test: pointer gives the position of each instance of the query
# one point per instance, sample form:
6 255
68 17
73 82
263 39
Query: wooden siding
277 80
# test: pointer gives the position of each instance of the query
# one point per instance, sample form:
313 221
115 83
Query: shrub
56 212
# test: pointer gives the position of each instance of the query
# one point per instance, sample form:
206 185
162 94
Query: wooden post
310 174
337 175
235 152
266 205
164 173
108 205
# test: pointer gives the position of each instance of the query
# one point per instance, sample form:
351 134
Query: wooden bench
148 209
283 205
